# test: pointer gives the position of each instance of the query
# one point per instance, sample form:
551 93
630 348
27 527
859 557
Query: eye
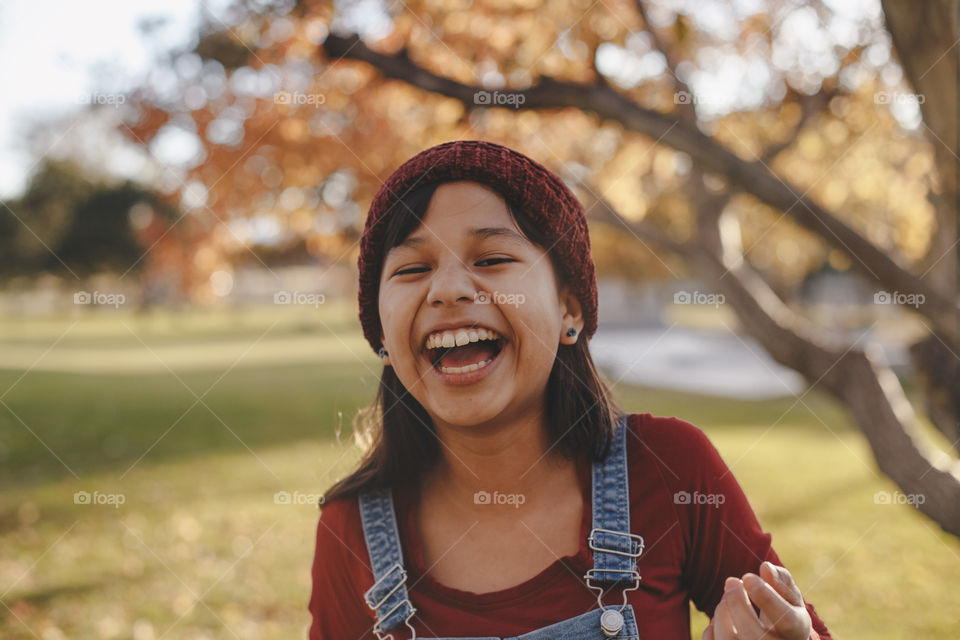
410 270
497 260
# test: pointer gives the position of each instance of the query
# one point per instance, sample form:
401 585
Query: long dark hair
398 433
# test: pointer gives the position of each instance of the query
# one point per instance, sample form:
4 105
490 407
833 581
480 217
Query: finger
781 617
723 625
782 581
765 620
772 605
741 611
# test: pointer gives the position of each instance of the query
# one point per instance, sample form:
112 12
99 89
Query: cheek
388 314
540 309
540 291
396 315
538 329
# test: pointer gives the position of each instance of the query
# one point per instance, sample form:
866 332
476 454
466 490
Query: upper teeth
459 337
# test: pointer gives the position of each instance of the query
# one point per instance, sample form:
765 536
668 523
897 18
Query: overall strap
388 595
615 549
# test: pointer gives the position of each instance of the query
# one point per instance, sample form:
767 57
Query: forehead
466 209
464 199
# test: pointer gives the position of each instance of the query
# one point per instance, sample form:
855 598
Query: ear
572 316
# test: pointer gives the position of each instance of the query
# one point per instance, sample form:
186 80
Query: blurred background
772 195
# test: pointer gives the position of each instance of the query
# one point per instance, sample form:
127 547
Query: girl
504 494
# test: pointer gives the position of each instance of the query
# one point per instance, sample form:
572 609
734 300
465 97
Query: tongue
472 353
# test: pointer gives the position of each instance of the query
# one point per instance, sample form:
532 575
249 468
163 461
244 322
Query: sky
56 53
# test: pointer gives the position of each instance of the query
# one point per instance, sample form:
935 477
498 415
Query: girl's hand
783 616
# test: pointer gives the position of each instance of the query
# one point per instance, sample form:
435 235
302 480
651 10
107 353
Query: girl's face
468 265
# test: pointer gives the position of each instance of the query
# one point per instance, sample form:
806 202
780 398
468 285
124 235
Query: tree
36 220
820 156
69 221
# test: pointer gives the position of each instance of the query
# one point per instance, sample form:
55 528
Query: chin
464 416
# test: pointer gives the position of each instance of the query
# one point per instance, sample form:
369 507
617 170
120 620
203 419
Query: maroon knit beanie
517 178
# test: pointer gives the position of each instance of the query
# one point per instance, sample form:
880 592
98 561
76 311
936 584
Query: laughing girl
504 494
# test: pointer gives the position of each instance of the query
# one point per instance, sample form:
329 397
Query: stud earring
571 332
382 352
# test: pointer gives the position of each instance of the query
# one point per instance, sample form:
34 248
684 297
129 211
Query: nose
451 282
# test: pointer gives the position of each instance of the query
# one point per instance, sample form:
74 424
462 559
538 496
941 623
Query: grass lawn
196 420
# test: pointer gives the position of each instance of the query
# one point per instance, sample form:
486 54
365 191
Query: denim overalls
615 553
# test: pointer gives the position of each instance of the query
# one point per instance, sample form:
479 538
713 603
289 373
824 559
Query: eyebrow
480 233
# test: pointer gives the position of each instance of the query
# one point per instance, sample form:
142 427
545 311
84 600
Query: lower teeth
466 369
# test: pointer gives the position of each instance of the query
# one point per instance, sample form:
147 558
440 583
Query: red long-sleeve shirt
692 545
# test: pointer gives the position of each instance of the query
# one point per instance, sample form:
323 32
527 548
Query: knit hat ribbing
517 178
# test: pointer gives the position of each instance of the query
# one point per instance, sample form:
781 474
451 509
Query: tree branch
686 110
599 209
857 377
809 106
751 177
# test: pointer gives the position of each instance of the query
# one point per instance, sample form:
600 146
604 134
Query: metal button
611 622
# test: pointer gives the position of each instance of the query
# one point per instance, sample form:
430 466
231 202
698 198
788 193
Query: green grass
199 549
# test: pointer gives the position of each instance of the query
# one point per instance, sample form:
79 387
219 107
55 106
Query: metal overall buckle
611 620
377 628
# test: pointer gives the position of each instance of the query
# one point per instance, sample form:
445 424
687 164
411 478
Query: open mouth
465 358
